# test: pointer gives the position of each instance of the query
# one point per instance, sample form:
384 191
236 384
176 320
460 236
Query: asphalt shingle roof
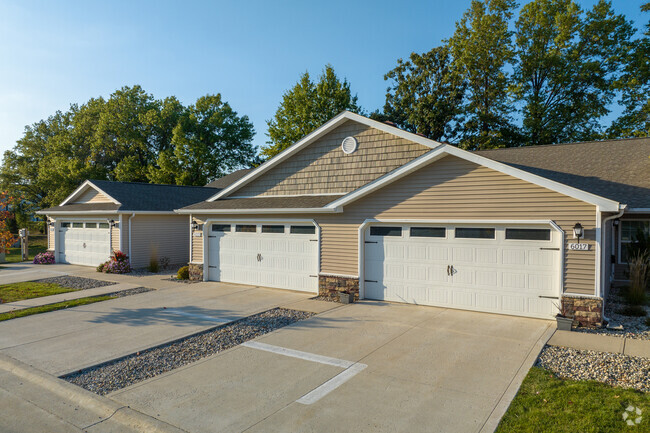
269 202
614 169
229 179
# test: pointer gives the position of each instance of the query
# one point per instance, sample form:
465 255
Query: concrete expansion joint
104 419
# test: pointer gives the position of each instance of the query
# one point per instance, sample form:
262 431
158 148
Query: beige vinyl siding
91 195
322 167
162 235
115 238
51 233
453 188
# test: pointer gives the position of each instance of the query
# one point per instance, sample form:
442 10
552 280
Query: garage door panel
282 260
493 275
84 246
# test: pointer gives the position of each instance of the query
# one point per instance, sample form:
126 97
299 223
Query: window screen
220 227
272 229
303 230
529 234
385 231
245 228
474 233
427 232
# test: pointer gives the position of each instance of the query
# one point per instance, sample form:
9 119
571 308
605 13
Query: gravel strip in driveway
120 373
129 292
79 283
612 368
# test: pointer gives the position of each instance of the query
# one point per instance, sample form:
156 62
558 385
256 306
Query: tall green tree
305 107
426 95
567 62
130 136
209 141
482 48
634 84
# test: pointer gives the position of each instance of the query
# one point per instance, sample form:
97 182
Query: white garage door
501 269
84 243
270 255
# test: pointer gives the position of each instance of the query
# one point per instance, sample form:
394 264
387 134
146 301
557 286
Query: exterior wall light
112 223
578 231
195 225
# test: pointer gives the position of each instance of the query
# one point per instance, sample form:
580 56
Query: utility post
24 243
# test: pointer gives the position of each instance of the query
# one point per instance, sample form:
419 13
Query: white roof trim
79 212
261 211
443 150
316 134
82 187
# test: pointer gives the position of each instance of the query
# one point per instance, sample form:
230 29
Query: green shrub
183 273
154 266
633 311
100 268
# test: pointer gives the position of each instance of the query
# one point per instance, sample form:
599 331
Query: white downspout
131 217
603 258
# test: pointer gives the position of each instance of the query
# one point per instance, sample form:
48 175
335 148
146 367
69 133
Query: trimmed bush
183 273
118 264
45 258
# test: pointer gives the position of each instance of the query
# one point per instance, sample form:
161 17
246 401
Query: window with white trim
91 225
77 225
629 230
103 225
272 228
302 230
474 233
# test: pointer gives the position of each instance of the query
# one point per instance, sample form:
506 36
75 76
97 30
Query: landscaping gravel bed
129 292
176 280
79 283
612 368
120 373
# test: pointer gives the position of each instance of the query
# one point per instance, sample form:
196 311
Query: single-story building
364 207
101 216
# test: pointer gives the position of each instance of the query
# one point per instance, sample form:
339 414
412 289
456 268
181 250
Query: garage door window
474 233
528 234
272 229
428 232
246 228
65 225
385 231
77 225
303 230
91 225
220 227
103 225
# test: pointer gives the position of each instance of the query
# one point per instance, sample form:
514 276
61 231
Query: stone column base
196 272
587 312
329 286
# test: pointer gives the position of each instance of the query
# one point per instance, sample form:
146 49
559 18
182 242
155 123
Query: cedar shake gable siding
323 168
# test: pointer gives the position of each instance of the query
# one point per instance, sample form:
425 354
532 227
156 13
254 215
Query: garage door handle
370 281
550 249
371 242
549 297
448 270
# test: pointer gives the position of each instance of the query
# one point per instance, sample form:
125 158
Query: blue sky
54 53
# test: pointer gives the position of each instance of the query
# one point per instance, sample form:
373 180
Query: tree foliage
6 238
425 95
131 136
305 107
482 48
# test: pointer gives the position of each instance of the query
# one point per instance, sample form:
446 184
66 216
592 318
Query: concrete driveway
370 366
64 341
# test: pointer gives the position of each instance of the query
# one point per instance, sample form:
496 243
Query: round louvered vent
349 145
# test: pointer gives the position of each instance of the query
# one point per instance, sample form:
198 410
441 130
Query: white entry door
508 269
277 255
84 243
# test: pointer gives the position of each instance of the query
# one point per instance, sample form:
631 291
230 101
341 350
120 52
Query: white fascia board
259 211
443 150
82 187
91 212
316 134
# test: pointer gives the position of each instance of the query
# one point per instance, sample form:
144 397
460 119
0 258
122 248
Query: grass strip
30 289
53 307
548 404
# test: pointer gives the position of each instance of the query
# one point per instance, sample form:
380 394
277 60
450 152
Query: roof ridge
151 184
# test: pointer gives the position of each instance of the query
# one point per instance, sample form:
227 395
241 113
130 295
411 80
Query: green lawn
37 244
548 404
29 289
53 307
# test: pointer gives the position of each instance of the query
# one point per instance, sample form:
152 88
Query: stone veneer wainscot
586 312
196 271
330 285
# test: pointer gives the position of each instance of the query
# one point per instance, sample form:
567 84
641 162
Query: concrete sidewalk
34 401
68 296
601 343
